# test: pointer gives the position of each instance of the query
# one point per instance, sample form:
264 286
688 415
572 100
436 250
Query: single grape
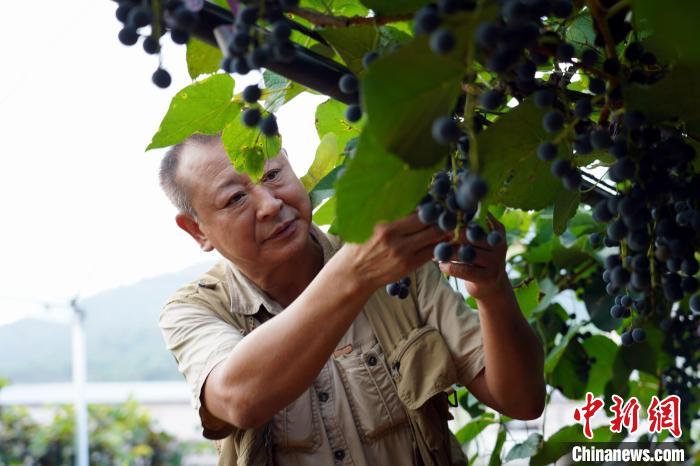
442 41
626 338
179 36
369 57
161 78
403 292
251 117
128 35
348 84
251 94
392 289
553 121
447 221
547 151
491 99
280 31
268 125
467 253
494 237
151 45
353 113
638 335
405 281
426 20
443 251
544 98
445 130
583 108
596 86
428 213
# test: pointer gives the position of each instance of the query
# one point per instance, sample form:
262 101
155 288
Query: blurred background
90 250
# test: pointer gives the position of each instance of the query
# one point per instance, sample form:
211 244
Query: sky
81 205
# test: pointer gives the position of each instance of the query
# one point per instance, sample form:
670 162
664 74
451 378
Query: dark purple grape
547 151
161 78
353 113
251 117
268 125
348 84
553 121
442 41
466 253
251 94
443 251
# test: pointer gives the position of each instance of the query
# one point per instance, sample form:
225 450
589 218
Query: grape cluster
399 289
135 15
655 222
250 47
429 20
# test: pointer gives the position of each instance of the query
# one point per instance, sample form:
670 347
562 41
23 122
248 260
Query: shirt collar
247 297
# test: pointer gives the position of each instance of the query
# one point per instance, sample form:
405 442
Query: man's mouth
281 230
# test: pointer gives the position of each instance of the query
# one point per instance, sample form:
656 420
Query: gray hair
172 186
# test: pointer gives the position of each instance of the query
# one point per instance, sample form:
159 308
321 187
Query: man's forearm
513 354
276 363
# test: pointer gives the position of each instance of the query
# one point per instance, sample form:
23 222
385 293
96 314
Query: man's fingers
472 273
428 236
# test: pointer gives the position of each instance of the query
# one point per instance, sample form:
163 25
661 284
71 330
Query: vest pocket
423 368
296 427
376 408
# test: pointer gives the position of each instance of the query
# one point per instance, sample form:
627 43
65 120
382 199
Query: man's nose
268 204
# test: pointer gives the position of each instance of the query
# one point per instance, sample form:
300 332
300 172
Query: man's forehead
210 163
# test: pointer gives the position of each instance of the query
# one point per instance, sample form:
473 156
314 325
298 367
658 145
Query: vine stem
322 19
595 9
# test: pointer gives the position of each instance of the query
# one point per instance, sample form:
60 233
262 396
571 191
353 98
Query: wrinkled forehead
205 167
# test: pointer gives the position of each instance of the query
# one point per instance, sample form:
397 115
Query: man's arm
512 380
276 363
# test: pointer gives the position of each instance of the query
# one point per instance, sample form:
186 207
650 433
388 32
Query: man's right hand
393 251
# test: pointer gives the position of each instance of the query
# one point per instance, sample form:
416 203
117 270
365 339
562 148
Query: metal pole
79 379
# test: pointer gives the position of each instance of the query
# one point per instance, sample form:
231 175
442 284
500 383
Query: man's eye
272 174
235 198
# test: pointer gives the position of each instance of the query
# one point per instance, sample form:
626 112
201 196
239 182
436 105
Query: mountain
122 336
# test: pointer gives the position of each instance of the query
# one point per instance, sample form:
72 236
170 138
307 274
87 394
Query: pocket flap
422 366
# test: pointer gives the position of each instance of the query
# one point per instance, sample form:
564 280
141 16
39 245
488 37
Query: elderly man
284 364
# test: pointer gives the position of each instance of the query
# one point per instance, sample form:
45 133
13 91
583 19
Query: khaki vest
421 364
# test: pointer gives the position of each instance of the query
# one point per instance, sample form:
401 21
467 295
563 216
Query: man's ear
191 226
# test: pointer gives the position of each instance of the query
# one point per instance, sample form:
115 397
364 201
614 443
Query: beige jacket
355 412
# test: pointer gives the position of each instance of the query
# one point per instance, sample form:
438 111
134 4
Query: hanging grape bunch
250 46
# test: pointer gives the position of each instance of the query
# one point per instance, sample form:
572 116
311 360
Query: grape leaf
527 296
507 155
376 186
202 58
559 444
673 28
603 349
474 427
248 149
401 112
525 449
552 359
330 118
325 187
327 157
279 90
393 7
325 215
675 95
570 374
352 43
336 7
205 106
580 33
565 207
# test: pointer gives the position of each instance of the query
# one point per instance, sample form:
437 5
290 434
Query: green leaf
279 90
474 427
507 154
376 186
327 157
325 215
202 58
569 257
604 350
202 107
325 187
391 38
248 148
673 28
401 112
565 207
352 43
580 33
552 359
528 296
495 459
675 96
525 449
598 303
336 7
330 118
571 372
394 7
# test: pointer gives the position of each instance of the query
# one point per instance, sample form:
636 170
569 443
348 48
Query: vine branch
322 19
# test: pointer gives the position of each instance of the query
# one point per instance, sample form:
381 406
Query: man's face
238 216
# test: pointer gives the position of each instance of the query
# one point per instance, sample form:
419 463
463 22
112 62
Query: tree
463 107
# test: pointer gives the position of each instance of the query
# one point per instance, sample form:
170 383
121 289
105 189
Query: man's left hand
486 275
